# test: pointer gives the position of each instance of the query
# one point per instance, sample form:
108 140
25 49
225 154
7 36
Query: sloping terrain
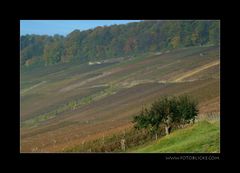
202 137
63 105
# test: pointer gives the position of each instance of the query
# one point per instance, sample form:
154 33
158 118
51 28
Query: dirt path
95 86
34 86
81 83
197 70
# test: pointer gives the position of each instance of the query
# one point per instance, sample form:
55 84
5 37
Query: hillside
117 41
65 104
202 137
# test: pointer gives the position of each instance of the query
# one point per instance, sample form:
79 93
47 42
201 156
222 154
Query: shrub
167 112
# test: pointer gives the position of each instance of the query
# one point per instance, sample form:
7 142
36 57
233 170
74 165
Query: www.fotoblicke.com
192 158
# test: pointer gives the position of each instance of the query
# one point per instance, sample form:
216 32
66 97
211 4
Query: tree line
117 40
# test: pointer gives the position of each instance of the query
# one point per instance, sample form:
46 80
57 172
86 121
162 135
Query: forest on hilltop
117 40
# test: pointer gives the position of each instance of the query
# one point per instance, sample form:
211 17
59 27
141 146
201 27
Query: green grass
202 137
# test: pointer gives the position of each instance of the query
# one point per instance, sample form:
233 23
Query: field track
32 87
197 70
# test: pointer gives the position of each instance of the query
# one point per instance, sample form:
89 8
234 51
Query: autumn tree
53 52
214 32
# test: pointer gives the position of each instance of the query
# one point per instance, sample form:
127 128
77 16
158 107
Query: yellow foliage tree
194 38
175 41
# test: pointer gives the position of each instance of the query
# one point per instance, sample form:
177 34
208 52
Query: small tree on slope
167 111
